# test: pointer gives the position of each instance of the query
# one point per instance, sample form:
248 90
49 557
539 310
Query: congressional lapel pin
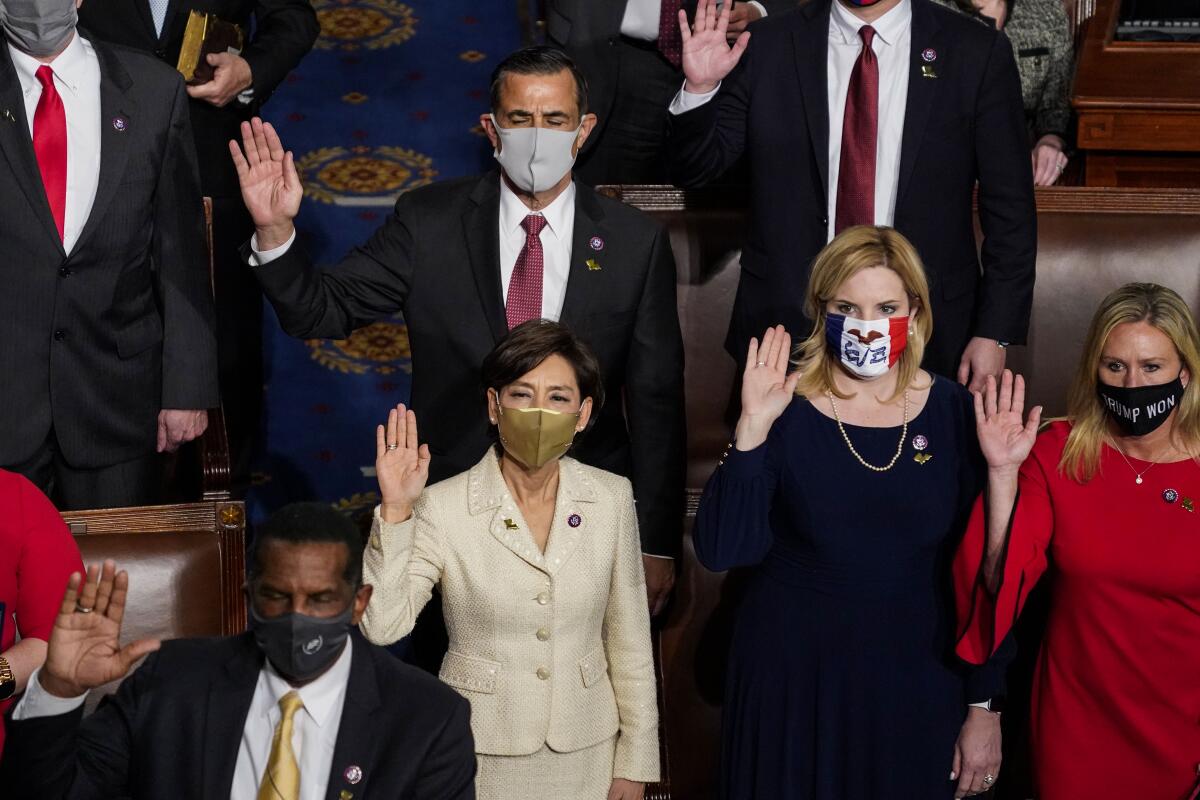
596 243
929 55
353 774
574 520
592 264
8 115
920 442
1170 495
119 124
928 71
509 525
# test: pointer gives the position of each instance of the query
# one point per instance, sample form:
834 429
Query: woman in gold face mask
538 561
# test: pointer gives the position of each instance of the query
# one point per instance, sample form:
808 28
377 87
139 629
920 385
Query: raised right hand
767 388
1004 436
401 466
707 56
84 649
271 186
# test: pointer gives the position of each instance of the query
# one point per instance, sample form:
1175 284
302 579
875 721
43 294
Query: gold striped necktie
282 778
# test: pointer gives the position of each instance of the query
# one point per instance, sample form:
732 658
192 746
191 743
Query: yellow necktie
282 778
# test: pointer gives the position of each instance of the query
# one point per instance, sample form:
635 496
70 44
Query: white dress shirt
314 731
893 35
77 79
642 17
556 244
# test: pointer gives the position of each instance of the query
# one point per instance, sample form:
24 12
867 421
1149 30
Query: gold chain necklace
1138 479
853 452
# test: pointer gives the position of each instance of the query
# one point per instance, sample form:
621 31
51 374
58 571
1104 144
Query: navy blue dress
842 680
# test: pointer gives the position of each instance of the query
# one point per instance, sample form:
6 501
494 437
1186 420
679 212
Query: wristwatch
8 682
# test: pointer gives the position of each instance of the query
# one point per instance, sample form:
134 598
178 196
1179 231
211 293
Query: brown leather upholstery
1090 241
186 566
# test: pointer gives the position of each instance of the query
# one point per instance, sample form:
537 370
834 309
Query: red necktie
670 40
525 286
856 175
50 145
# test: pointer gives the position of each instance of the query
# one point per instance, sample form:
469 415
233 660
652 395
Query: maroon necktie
670 40
525 285
50 145
856 175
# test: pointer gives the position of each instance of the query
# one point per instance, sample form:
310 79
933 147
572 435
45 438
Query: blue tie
158 10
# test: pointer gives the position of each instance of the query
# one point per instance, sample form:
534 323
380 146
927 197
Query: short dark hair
531 343
301 523
539 60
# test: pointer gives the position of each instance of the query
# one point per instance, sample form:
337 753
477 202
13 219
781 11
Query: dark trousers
239 336
130 483
630 144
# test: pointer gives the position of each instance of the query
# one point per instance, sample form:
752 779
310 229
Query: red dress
1116 694
37 555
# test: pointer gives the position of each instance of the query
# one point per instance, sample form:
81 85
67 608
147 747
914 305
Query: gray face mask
535 159
40 28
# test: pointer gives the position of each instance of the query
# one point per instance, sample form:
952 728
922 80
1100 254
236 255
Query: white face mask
535 159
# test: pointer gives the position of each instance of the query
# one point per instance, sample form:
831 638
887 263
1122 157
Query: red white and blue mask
866 349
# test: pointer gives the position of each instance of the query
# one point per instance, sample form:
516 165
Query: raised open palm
401 465
1004 435
707 55
85 644
267 174
767 388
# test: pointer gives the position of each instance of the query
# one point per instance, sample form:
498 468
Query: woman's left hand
976 753
622 789
1049 160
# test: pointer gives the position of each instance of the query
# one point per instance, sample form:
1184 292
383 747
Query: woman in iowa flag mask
845 491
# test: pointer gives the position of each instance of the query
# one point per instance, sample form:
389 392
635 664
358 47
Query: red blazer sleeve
983 619
48 556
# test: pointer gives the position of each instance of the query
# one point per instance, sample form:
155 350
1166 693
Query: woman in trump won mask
538 561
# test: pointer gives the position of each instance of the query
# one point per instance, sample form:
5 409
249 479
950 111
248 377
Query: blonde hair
852 250
1133 302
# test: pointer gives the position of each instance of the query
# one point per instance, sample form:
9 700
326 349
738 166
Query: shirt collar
843 25
69 66
512 210
320 697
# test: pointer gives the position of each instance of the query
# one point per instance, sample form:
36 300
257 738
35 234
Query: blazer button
160 53
543 635
825 221
64 272
59 335
543 597
543 674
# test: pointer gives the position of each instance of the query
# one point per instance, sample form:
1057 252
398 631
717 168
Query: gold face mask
535 436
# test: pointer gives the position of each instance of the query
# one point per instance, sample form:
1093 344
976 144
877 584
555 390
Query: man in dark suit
278 34
106 330
895 132
629 51
301 706
468 259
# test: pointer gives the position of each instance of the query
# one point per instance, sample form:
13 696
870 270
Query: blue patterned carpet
388 100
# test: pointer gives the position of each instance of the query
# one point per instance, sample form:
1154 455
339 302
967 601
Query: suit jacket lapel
481 231
921 91
572 515
229 697
487 493
812 51
589 225
17 145
117 117
358 741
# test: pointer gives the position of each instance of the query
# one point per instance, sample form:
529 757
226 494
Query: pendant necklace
899 447
1138 479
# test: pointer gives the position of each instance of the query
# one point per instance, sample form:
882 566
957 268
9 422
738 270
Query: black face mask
1140 411
301 647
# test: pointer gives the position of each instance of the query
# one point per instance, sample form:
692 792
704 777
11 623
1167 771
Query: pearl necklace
899 446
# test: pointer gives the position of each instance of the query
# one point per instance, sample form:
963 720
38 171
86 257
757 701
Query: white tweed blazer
549 648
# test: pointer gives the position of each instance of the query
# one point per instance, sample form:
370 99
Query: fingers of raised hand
105 588
116 603
71 594
410 437
1004 400
274 145
87 597
260 139
248 146
990 392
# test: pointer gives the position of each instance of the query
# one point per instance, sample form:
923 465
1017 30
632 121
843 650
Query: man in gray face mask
104 291
467 260
298 705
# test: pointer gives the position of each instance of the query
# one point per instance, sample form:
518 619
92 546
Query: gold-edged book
205 33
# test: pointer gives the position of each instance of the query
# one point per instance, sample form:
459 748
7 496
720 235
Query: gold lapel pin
8 115
509 525
592 264
928 71
1188 505
345 795
922 458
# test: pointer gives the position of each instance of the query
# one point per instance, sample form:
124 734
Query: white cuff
762 11
260 258
247 97
986 705
685 101
37 702
665 558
